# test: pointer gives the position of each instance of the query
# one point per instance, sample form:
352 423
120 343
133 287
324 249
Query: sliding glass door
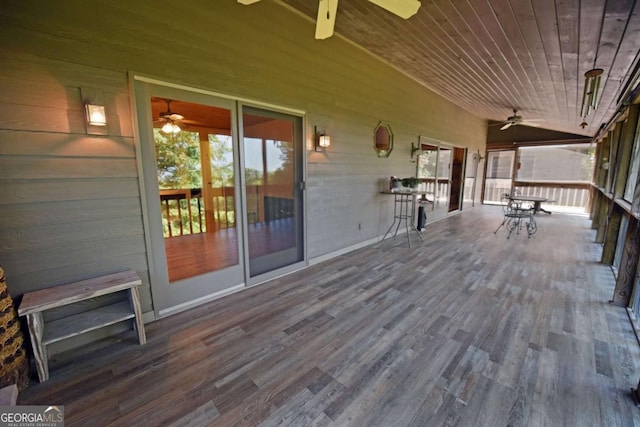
499 175
435 167
223 194
272 146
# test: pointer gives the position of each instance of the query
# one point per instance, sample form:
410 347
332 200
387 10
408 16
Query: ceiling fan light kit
516 119
171 120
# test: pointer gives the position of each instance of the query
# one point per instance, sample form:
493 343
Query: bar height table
404 208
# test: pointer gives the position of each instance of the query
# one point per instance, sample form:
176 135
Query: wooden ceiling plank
423 67
545 13
503 52
479 53
590 26
467 41
426 40
505 16
526 19
567 11
617 50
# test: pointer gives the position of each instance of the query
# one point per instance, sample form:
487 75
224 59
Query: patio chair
515 216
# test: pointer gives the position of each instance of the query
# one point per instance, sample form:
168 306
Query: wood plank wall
70 202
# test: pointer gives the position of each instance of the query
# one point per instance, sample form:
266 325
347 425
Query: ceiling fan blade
326 18
506 126
248 2
530 123
403 8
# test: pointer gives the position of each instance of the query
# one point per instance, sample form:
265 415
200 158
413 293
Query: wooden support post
625 150
611 235
628 266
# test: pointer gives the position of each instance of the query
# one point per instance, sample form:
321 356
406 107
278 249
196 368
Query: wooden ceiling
491 56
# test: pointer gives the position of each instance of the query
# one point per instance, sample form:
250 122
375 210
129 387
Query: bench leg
36 330
134 299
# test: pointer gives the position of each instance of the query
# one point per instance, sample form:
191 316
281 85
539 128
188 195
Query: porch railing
184 213
566 195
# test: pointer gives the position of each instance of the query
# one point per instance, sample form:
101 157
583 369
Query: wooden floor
194 254
468 329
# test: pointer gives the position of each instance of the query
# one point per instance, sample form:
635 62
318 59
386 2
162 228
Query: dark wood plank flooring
468 328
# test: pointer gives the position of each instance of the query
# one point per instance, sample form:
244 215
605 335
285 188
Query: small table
537 201
404 208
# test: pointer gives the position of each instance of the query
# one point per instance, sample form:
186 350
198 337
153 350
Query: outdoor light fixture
96 115
415 148
322 140
171 120
590 94
170 127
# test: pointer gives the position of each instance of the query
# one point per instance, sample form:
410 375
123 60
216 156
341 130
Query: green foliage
410 182
221 152
178 159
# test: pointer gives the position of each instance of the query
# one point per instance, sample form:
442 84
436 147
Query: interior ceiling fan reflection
171 120
327 12
515 120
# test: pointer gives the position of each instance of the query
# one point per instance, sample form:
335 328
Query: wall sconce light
415 148
590 94
96 115
322 140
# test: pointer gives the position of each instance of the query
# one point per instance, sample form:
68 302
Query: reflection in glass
197 194
274 225
427 166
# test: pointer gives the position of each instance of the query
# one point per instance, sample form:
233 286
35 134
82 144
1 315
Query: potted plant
396 183
411 182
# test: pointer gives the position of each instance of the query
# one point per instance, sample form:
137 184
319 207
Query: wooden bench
34 303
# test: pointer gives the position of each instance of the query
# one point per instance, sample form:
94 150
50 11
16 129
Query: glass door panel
499 175
272 150
434 167
443 182
190 173
195 177
427 166
471 172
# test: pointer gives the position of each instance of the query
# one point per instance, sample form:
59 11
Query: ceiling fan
327 12
515 120
170 119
